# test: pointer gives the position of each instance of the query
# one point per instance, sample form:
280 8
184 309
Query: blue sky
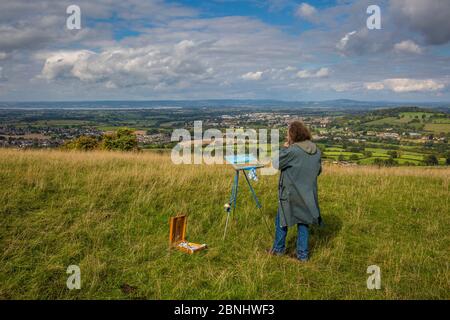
255 49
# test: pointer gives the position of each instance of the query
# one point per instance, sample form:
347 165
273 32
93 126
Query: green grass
334 149
384 121
442 120
437 127
405 156
405 118
404 160
408 156
115 128
412 115
344 153
109 212
63 122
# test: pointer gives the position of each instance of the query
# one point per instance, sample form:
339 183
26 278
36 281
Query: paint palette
177 236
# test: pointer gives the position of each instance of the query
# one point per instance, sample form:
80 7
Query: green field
415 115
62 122
387 120
437 127
115 128
406 156
109 212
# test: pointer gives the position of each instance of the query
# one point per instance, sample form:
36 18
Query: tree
378 162
367 154
83 143
393 154
152 131
355 149
341 157
431 160
386 163
354 157
122 140
390 162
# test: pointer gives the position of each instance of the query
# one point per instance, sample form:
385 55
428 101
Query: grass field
405 156
392 121
437 127
109 212
415 115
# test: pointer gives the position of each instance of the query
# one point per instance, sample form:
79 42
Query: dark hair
298 132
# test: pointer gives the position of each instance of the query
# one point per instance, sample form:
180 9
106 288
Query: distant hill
329 104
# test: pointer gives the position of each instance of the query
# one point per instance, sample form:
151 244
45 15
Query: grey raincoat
300 165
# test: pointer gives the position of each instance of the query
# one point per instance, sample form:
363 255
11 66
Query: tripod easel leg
252 190
233 200
258 204
236 184
226 226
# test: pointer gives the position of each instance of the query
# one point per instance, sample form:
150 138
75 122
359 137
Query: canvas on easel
243 162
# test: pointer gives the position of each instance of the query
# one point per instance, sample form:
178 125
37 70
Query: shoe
297 258
274 253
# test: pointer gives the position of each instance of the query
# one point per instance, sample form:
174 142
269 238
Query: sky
225 49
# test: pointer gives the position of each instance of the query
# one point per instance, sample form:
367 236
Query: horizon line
222 99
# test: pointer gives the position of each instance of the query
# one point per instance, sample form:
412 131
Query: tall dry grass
108 213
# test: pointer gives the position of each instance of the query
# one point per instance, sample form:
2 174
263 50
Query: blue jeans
279 245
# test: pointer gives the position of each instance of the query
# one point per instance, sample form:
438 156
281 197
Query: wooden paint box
177 236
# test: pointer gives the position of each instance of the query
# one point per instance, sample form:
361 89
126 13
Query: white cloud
342 44
321 73
401 85
304 74
407 46
342 87
410 85
179 51
306 11
252 75
125 67
374 86
364 41
62 63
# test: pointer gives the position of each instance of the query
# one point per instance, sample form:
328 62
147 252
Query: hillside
109 212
